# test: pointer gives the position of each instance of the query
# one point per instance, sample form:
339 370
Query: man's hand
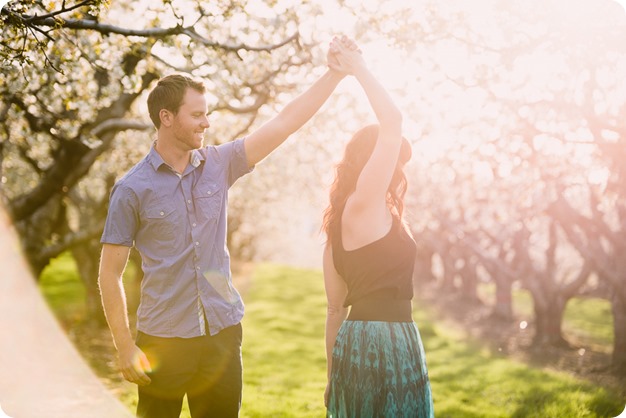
336 45
346 56
134 365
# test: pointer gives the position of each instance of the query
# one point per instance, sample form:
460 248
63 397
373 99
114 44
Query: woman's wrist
361 72
335 75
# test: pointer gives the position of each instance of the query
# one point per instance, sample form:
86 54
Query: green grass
468 382
284 360
283 350
61 287
590 320
285 365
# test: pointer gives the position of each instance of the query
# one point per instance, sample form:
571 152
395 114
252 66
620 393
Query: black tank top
377 272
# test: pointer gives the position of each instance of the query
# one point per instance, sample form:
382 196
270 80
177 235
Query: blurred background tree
527 103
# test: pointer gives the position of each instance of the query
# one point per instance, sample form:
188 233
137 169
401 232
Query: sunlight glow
621 3
449 95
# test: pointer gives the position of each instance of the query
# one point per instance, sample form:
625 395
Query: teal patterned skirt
379 370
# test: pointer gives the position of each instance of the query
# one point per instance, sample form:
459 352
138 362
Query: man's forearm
302 108
115 311
295 114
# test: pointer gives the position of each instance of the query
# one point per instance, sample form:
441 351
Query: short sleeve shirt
177 222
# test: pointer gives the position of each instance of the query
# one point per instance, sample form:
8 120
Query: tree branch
158 33
118 125
35 18
70 240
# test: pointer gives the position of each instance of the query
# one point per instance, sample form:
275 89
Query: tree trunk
618 306
503 306
87 258
548 319
34 234
449 270
449 274
469 285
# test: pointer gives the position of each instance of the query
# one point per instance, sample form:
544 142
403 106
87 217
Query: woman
376 364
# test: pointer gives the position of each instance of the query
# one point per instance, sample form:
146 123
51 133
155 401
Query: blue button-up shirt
178 225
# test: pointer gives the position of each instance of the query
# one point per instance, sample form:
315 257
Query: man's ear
166 117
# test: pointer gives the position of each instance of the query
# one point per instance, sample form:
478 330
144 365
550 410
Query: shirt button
193 224
197 243
209 192
189 201
162 213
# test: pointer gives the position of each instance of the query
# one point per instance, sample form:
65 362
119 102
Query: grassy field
284 361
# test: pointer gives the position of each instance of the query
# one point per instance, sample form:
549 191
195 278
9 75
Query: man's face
191 120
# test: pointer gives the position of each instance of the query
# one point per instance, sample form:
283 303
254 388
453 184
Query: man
172 207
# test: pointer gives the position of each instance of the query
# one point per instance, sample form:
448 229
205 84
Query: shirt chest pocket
208 201
161 221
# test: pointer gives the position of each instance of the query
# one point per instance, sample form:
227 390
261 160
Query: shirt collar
155 160
196 158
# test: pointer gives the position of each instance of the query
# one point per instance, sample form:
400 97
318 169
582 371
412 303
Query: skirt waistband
381 309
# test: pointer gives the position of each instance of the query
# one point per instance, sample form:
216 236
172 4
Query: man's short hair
169 93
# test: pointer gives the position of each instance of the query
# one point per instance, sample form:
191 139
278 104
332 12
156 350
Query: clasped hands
344 55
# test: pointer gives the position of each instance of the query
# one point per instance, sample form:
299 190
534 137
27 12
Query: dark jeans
207 369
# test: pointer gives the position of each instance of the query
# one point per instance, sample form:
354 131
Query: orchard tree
73 87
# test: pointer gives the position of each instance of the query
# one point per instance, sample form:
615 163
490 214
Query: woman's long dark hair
356 155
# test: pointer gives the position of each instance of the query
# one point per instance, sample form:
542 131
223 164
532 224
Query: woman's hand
343 55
